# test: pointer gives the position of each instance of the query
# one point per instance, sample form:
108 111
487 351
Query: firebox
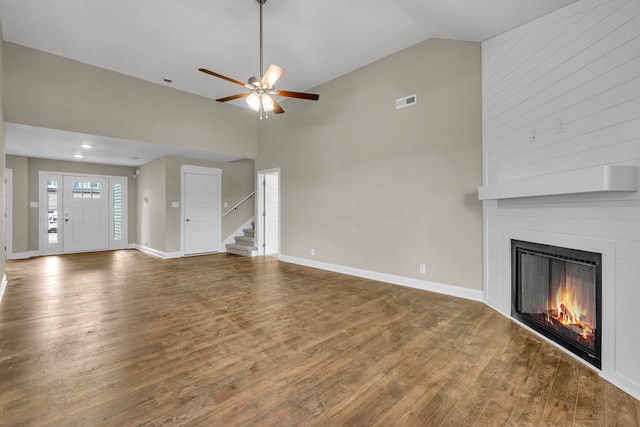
558 293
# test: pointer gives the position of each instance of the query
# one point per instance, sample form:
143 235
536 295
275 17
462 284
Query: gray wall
152 216
237 182
26 189
49 91
160 180
20 203
371 187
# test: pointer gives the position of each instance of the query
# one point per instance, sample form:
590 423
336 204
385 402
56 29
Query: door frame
43 211
260 211
8 204
201 170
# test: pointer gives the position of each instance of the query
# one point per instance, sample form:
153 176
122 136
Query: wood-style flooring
126 339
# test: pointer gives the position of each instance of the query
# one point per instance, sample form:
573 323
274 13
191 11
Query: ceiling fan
261 88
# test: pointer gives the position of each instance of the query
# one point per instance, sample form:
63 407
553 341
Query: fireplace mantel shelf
595 179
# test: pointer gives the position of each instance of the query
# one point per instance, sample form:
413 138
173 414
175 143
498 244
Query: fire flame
570 312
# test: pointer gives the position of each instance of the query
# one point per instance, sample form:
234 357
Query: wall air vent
407 101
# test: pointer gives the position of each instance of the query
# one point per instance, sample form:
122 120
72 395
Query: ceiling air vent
406 101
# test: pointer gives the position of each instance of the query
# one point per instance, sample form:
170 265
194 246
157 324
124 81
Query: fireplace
558 293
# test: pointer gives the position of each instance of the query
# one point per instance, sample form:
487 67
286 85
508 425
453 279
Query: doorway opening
268 212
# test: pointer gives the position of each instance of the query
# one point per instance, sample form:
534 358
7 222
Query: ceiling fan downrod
261 2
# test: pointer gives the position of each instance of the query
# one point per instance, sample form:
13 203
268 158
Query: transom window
86 190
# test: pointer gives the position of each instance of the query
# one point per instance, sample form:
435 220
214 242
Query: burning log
565 315
584 334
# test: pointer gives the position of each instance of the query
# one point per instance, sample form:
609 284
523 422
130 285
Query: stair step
242 250
244 240
244 245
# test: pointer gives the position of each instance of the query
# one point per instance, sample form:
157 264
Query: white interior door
202 216
272 213
86 214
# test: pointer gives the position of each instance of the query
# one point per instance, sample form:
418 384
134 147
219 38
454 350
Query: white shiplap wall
573 79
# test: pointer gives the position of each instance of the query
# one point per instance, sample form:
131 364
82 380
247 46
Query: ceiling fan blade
277 109
232 97
272 75
220 76
301 95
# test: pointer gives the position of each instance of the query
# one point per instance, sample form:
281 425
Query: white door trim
186 169
259 209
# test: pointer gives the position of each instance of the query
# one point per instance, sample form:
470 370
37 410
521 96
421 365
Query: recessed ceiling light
167 80
78 156
86 146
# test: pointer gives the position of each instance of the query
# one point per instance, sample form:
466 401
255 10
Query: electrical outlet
313 252
561 125
423 269
534 135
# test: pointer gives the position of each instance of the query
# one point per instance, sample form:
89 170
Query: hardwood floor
126 339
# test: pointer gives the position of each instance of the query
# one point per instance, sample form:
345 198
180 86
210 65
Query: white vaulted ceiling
315 41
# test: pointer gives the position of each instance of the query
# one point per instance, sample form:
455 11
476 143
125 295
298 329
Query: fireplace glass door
557 292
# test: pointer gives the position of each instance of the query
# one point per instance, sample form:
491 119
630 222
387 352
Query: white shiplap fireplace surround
561 153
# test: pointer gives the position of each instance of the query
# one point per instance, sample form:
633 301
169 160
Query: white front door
272 213
202 216
85 220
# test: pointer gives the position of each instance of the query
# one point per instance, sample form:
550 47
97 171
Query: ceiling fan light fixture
254 101
260 101
267 103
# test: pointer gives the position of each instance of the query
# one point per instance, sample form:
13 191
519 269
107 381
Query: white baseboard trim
3 286
159 254
238 232
454 291
23 255
31 254
623 383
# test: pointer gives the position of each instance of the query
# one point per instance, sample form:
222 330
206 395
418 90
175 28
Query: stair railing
239 203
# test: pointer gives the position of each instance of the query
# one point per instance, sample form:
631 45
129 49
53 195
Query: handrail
239 203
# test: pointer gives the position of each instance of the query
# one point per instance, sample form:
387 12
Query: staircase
245 244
